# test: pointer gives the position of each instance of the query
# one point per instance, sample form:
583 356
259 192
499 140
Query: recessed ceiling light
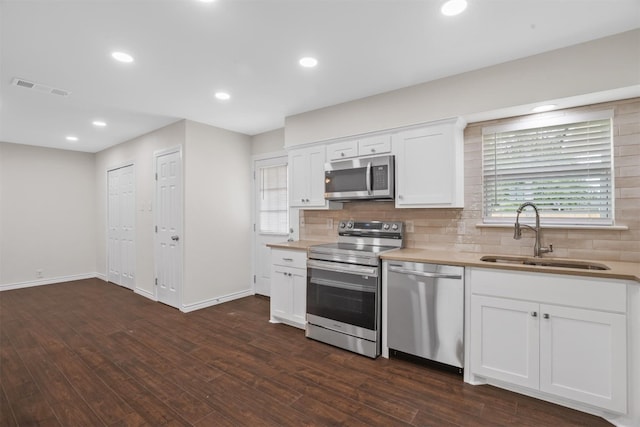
308 62
72 138
542 108
99 123
222 96
122 57
453 7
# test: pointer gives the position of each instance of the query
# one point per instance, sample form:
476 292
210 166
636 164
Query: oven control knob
394 227
350 225
385 226
343 225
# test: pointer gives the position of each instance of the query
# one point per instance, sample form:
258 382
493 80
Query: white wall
602 65
217 214
267 142
138 151
47 215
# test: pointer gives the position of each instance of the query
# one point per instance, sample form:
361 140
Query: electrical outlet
330 223
409 226
39 273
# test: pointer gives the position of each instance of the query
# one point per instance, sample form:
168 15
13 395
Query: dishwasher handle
400 269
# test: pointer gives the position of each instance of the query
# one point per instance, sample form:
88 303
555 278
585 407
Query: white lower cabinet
575 349
289 287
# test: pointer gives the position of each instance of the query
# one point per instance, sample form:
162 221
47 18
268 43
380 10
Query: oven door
344 294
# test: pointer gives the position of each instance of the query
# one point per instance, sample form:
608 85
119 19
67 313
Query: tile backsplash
459 230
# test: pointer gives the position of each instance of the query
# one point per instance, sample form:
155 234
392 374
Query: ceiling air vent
39 87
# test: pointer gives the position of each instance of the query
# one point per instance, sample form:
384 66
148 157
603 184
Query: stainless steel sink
563 263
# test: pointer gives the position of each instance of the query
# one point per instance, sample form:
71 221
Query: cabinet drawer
342 150
575 291
374 145
289 258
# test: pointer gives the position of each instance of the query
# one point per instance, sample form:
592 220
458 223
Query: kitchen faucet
517 234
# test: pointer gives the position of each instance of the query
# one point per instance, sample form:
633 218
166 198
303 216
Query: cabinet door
342 150
427 168
315 165
298 177
505 340
374 145
299 300
583 356
281 293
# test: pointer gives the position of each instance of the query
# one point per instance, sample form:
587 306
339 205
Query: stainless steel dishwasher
425 311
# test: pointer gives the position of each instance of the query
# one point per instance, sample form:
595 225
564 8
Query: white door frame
110 169
254 241
156 154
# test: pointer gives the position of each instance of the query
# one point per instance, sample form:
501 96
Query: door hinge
254 278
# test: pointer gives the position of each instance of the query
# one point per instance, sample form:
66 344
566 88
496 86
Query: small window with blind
274 200
564 165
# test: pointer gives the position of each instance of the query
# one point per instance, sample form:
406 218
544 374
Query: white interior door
271 216
121 226
168 257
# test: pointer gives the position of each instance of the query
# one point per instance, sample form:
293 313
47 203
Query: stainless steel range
343 285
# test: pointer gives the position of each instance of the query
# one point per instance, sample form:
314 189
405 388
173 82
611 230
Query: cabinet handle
373 150
342 154
302 200
546 315
287 259
400 196
534 314
306 200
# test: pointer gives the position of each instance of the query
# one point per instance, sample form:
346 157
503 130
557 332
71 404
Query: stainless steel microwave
361 178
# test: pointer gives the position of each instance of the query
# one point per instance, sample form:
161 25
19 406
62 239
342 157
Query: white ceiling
186 50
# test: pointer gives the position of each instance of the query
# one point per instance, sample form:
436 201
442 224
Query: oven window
342 181
347 298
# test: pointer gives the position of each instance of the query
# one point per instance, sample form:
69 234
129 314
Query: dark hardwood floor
89 353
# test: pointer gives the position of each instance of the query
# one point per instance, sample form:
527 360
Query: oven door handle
343 285
395 269
343 268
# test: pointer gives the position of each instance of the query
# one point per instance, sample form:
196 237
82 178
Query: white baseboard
186 308
145 294
48 281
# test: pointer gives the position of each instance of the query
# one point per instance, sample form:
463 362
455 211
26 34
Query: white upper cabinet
342 150
365 146
430 165
374 145
306 178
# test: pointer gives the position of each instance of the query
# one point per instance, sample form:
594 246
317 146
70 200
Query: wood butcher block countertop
618 270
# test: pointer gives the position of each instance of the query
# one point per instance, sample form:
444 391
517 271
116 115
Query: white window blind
566 169
274 202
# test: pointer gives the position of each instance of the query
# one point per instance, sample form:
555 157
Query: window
274 202
564 165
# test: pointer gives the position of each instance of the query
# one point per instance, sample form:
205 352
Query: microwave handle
369 188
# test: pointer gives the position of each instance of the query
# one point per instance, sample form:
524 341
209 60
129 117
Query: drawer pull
287 259
534 314
546 315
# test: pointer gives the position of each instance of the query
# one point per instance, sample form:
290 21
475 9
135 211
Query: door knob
175 238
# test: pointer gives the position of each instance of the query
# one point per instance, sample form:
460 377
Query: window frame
555 118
